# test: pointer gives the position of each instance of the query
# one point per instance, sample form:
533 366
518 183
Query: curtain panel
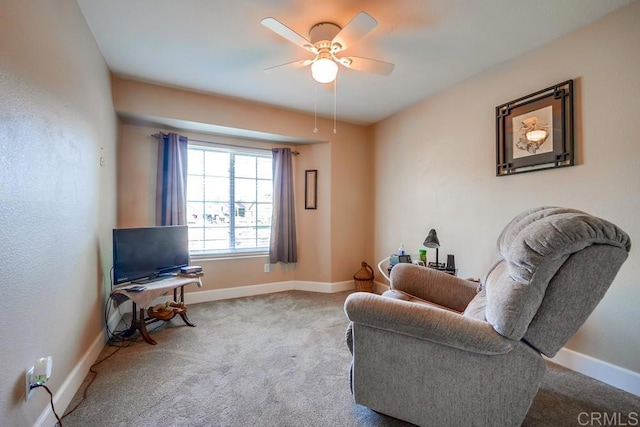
282 245
171 181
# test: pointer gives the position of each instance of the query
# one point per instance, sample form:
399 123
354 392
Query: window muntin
229 196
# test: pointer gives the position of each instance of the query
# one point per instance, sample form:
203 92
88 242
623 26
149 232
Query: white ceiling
220 47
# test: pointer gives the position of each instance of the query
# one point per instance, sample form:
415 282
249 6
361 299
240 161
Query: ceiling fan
326 41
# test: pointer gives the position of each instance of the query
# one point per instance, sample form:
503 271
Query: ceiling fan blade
295 64
283 31
367 65
357 28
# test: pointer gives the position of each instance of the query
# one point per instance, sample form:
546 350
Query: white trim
600 370
380 288
606 372
266 288
245 291
70 386
114 320
224 256
238 292
603 371
324 287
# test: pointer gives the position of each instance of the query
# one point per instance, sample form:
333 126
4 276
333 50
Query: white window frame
231 252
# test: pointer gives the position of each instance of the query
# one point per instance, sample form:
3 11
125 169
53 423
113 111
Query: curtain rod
157 135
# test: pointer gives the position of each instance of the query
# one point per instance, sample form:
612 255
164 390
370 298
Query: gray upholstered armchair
434 351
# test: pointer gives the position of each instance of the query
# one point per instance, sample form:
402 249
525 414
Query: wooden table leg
138 323
141 325
186 320
183 313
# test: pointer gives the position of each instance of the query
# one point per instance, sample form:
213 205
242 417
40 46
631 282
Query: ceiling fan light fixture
324 70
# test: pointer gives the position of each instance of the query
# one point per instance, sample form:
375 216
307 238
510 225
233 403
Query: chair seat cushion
396 294
477 307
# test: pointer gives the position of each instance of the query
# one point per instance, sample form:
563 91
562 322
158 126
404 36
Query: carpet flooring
276 360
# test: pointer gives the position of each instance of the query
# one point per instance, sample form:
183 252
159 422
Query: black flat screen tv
149 252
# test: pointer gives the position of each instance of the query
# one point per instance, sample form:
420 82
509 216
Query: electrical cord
113 335
95 375
118 337
51 400
113 338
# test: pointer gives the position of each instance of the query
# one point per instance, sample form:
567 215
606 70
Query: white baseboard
613 375
610 374
380 288
324 287
238 292
267 288
600 370
115 315
70 386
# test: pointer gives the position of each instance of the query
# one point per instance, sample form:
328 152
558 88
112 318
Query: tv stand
142 299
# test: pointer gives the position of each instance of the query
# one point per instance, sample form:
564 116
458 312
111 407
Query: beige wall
432 166
137 160
57 204
441 152
351 201
332 240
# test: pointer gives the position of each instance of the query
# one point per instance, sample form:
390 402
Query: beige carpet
274 360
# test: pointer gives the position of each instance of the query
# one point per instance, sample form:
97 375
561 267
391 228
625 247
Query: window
229 194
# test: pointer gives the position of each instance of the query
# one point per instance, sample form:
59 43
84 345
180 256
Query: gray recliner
439 350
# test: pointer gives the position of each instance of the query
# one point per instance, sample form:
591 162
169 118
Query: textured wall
442 153
57 206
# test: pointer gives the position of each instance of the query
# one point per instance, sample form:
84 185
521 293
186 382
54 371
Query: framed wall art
310 189
535 132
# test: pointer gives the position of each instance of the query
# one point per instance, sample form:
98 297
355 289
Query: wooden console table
142 299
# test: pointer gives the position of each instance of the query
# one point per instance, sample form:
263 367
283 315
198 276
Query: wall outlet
43 370
37 375
267 268
28 380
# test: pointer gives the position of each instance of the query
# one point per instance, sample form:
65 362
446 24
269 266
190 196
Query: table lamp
431 241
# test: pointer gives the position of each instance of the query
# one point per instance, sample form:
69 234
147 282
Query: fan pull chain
315 108
335 89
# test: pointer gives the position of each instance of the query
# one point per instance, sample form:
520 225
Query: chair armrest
433 285
426 323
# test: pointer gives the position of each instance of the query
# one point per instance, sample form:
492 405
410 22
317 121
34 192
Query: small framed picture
535 132
311 189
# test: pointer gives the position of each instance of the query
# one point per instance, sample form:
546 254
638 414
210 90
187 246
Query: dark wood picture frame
311 189
535 132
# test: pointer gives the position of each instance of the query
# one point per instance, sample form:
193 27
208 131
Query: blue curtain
171 182
282 245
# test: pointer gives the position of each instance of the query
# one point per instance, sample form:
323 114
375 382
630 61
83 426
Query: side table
142 299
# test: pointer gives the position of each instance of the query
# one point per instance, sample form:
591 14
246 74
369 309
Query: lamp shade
431 241
324 70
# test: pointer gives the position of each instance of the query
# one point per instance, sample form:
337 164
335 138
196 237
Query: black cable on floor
51 397
95 375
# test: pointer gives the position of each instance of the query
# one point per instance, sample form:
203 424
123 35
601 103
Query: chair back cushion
555 266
